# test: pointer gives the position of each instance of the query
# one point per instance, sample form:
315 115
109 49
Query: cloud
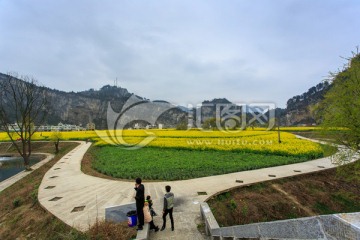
179 51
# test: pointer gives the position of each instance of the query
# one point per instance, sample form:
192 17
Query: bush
16 202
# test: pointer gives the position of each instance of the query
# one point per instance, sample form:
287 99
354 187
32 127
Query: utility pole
278 125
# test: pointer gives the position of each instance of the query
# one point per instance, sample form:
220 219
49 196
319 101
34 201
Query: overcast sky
181 51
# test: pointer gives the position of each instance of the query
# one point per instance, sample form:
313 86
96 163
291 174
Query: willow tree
23 107
341 109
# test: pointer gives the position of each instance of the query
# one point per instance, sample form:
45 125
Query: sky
184 52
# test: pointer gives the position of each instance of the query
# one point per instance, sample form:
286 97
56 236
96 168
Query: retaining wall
331 227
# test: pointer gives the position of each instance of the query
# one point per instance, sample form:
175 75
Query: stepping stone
78 209
202 193
55 199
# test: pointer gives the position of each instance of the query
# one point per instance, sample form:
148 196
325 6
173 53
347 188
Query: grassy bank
312 194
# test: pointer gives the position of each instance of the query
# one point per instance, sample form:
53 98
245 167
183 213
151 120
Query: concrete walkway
79 199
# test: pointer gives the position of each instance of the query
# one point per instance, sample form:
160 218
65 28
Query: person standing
140 199
168 208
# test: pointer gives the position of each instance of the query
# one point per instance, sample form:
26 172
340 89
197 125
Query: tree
183 125
341 104
22 108
341 109
55 138
209 123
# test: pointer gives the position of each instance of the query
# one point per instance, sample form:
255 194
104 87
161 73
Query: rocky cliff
91 106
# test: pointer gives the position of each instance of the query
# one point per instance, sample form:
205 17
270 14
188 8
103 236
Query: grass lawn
175 164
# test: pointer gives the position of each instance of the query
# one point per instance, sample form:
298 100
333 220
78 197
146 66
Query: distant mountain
184 109
91 106
208 108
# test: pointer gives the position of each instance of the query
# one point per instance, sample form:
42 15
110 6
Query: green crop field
174 164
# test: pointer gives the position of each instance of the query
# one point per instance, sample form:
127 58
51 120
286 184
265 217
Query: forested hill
298 108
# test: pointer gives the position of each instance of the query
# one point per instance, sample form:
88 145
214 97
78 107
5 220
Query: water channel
11 165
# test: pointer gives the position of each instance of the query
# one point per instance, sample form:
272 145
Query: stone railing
335 226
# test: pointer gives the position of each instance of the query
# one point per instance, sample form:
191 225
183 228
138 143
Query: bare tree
55 138
22 108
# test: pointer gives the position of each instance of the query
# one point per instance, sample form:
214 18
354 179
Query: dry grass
111 231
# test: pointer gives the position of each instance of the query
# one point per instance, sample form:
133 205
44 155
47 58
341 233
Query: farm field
174 155
154 163
265 142
248 140
254 141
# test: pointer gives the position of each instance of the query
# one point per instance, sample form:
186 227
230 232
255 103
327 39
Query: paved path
79 199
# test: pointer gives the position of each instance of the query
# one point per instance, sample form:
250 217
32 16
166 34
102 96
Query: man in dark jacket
168 208
140 199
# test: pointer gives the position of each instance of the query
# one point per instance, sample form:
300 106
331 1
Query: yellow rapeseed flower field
243 141
258 141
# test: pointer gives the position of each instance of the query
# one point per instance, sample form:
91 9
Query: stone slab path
79 199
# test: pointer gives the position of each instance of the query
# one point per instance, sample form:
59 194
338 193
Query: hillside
92 105
83 107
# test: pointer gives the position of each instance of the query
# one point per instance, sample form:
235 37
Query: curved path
79 199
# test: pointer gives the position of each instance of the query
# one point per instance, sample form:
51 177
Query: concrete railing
143 234
336 226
